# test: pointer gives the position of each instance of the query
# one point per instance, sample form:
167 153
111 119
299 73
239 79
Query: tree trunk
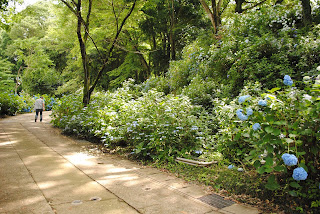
306 12
210 14
239 6
171 34
86 96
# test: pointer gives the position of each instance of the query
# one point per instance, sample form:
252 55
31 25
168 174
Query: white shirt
39 104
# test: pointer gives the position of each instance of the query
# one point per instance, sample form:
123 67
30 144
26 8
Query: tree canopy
65 45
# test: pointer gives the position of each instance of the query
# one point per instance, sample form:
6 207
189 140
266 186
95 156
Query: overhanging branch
112 47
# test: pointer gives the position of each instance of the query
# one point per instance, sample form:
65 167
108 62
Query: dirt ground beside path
42 171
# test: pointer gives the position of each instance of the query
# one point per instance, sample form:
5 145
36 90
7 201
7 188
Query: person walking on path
39 107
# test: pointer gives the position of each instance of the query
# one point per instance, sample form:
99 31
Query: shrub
10 104
152 125
288 123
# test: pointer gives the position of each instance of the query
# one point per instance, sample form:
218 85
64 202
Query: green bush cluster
282 121
261 46
150 124
10 104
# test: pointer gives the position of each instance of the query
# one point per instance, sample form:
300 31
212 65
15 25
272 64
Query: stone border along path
42 171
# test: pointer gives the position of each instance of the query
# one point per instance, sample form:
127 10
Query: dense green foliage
11 104
151 125
170 87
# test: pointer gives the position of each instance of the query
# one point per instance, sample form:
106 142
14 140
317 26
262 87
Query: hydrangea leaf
245 135
257 164
293 193
289 140
280 123
279 168
276 132
295 185
261 170
269 161
268 170
272 183
269 129
273 90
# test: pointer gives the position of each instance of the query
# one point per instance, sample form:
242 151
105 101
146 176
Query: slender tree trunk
239 6
210 14
86 96
171 34
215 13
306 12
17 81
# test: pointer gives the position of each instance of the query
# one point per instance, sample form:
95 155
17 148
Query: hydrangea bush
10 104
152 125
280 137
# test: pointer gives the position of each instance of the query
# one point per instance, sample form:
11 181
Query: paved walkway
42 171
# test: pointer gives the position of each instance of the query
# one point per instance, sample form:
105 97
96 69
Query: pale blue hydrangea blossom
287 80
243 98
240 169
289 159
240 115
249 111
231 166
299 174
256 126
198 152
194 128
262 103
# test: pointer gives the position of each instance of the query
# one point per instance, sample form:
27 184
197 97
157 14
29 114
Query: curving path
42 171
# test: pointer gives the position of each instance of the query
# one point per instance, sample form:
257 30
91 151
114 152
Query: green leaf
295 185
273 90
269 161
261 170
293 193
237 137
276 132
268 170
301 153
257 164
272 183
270 149
303 165
280 123
288 140
269 129
306 132
292 135
279 168
245 135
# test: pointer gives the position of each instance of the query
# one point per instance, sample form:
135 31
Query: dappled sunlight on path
43 171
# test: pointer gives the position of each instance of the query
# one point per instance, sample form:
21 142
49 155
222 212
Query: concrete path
42 171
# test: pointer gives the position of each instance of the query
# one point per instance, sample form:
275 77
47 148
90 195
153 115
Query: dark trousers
37 113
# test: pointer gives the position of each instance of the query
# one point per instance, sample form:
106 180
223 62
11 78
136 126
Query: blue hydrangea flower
241 116
194 128
287 80
240 169
256 126
231 166
262 103
299 174
198 152
249 111
289 160
243 98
